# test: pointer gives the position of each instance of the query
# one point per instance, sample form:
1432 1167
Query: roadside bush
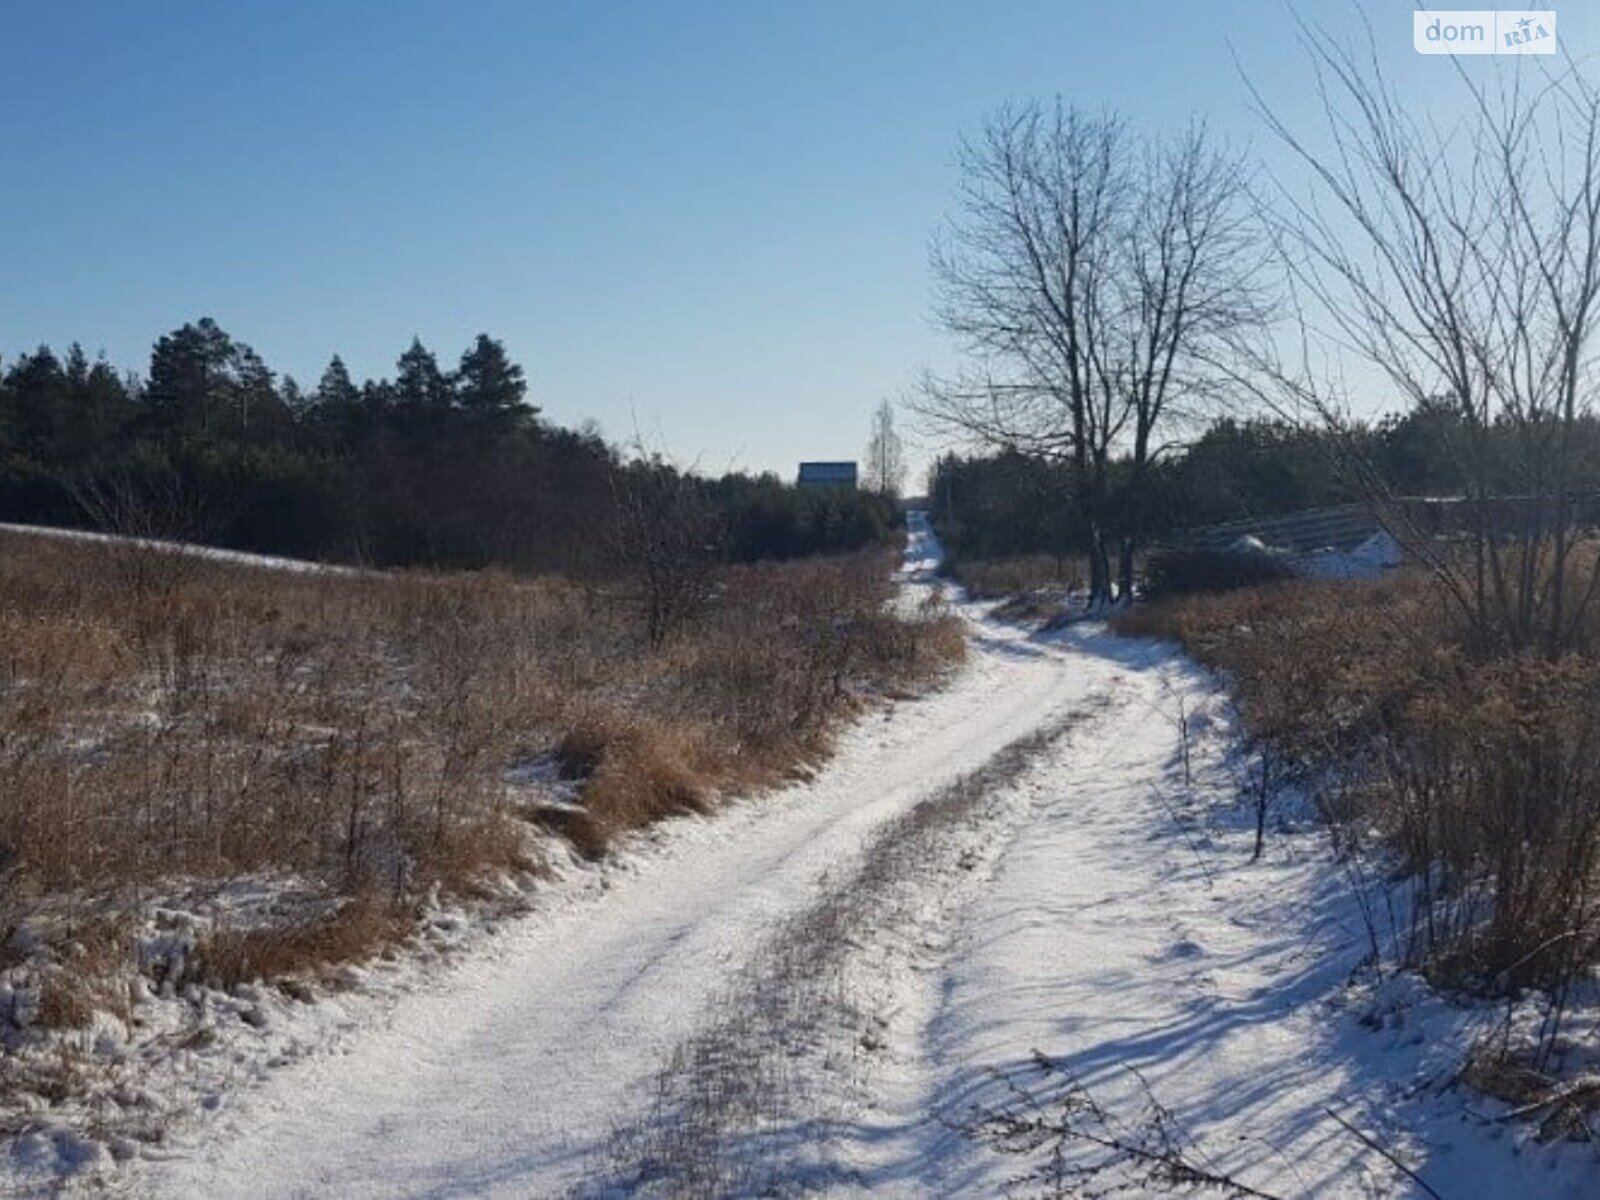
1170 573
750 694
1476 768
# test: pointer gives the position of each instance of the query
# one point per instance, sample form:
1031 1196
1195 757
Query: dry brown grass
357 931
636 774
1474 768
1479 768
748 697
1320 668
1022 575
89 977
166 717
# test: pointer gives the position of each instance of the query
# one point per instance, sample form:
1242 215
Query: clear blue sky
706 221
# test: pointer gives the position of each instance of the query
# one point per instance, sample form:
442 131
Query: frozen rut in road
508 1076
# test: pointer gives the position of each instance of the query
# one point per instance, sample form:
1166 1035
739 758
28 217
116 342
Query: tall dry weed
167 717
1477 766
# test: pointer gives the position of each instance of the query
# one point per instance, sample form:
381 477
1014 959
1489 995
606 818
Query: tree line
439 465
1011 503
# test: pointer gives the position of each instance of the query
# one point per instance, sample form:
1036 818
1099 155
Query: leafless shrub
1463 262
666 542
152 519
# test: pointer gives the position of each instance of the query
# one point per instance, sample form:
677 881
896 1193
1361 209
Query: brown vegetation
1475 765
173 722
1022 575
356 931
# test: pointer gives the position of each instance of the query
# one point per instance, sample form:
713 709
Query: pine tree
38 405
77 367
420 387
98 408
335 390
258 411
491 388
189 370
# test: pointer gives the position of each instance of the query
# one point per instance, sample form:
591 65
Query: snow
1248 544
1102 910
1381 550
1377 554
1124 933
1127 936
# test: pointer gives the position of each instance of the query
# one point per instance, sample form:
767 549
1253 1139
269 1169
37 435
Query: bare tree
667 539
1194 256
1461 262
1084 275
886 463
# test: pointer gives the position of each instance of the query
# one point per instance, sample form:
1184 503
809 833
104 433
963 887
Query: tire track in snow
748 1105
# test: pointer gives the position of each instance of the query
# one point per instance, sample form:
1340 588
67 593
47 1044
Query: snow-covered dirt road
507 1076
1098 907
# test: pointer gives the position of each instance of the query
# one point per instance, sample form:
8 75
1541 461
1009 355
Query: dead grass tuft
1563 1110
582 748
646 772
89 977
358 931
66 1001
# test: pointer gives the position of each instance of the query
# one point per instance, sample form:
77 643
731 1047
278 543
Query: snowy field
1086 923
